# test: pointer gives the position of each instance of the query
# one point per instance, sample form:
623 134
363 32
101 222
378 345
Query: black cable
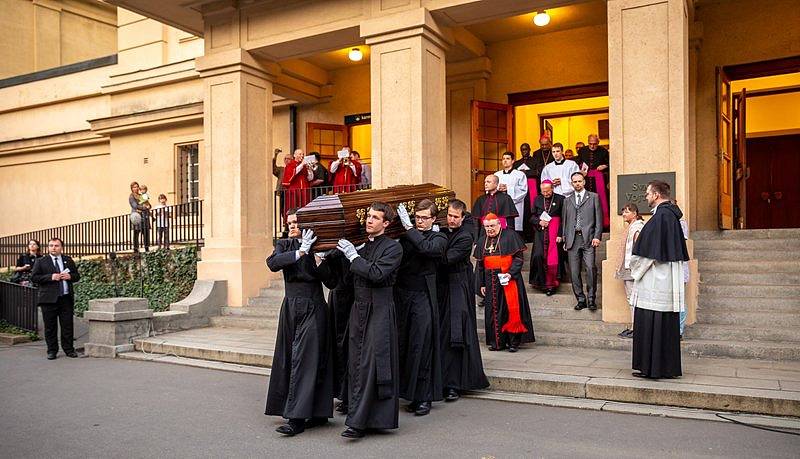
746 424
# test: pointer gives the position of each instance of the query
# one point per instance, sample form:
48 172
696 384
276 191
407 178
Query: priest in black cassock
462 367
499 256
547 253
657 263
594 162
532 165
373 372
301 381
496 202
340 298
417 309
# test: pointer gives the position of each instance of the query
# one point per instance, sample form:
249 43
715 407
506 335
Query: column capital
406 24
473 69
235 60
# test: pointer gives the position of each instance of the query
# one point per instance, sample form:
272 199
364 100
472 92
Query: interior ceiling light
355 55
541 19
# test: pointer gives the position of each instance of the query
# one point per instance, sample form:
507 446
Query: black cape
418 316
301 379
661 238
373 372
462 366
495 305
340 298
499 204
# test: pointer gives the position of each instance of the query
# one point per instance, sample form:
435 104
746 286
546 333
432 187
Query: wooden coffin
343 216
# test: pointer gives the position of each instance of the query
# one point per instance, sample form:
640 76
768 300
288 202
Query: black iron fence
184 225
18 306
288 199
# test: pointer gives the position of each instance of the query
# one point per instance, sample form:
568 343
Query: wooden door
492 134
740 158
725 149
326 139
773 191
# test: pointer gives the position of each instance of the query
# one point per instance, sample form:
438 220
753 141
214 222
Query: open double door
492 135
732 144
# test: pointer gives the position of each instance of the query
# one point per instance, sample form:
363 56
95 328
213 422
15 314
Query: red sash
503 263
551 256
600 187
533 190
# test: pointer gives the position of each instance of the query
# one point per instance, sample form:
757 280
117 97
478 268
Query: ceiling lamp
355 55
541 19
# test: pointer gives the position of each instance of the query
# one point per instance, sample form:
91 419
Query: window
188 172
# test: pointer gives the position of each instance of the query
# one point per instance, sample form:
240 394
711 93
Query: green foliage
6 275
6 327
161 276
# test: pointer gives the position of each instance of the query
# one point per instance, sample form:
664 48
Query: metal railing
288 199
112 234
18 306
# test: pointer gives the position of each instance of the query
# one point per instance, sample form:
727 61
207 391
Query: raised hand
308 240
347 248
405 219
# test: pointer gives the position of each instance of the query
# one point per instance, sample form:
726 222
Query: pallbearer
462 367
546 222
301 381
499 255
417 308
373 368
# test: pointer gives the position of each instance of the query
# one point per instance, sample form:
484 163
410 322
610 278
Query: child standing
630 214
161 216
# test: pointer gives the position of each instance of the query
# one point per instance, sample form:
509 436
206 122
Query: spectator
144 198
277 171
345 172
631 216
296 181
25 262
320 178
139 219
685 229
161 215
366 171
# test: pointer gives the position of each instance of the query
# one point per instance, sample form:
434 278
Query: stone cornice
148 119
235 60
406 24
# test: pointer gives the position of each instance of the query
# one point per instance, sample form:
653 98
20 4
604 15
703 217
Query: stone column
235 168
407 83
114 322
648 59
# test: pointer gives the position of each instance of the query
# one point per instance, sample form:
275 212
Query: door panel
773 189
740 158
492 134
327 139
725 149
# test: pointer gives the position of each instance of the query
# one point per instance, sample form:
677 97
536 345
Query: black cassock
542 242
340 298
301 380
418 316
373 367
534 164
496 308
462 367
499 204
592 159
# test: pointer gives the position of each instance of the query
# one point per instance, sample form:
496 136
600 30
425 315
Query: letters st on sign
632 188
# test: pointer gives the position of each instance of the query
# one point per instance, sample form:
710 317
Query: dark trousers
60 312
579 255
163 237
144 231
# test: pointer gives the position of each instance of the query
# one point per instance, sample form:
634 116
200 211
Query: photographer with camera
346 172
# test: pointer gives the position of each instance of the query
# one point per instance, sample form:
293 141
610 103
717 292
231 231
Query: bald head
490 183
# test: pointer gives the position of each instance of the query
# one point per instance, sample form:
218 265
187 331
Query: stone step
205 352
763 291
580 327
251 323
270 310
749 319
744 256
751 279
716 303
789 233
739 333
789 244
559 314
755 266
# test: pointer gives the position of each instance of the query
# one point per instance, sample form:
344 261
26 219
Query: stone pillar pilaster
648 59
235 171
408 99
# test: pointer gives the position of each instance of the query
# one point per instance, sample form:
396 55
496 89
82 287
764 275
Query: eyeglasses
421 217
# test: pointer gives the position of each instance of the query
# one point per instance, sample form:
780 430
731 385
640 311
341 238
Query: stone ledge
119 304
12 339
103 316
105 350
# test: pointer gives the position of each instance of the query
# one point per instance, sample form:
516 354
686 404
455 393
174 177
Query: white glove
308 239
322 255
405 220
504 278
348 249
435 228
361 246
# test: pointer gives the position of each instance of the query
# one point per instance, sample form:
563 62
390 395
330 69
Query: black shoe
316 422
493 349
580 305
593 306
351 432
52 355
292 428
624 333
451 395
629 335
72 354
412 407
550 292
423 408
341 407
512 348
639 374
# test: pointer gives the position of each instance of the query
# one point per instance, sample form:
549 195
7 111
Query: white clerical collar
558 163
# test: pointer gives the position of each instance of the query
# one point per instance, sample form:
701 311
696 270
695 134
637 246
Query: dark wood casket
342 216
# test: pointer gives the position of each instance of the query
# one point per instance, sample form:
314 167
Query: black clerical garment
373 367
301 380
593 159
339 280
418 316
661 238
506 309
500 204
534 164
462 366
545 270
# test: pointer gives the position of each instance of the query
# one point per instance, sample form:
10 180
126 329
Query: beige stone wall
145 43
50 33
732 32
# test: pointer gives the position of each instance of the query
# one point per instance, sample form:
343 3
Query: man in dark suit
54 274
582 228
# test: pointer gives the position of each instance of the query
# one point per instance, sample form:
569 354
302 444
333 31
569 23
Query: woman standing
140 219
630 214
25 263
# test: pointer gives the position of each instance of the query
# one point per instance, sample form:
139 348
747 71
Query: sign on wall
632 188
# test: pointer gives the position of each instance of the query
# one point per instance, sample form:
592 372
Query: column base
244 274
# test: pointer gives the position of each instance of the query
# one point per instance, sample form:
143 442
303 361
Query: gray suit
578 241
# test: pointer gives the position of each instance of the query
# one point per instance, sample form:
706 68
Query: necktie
578 214
60 268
